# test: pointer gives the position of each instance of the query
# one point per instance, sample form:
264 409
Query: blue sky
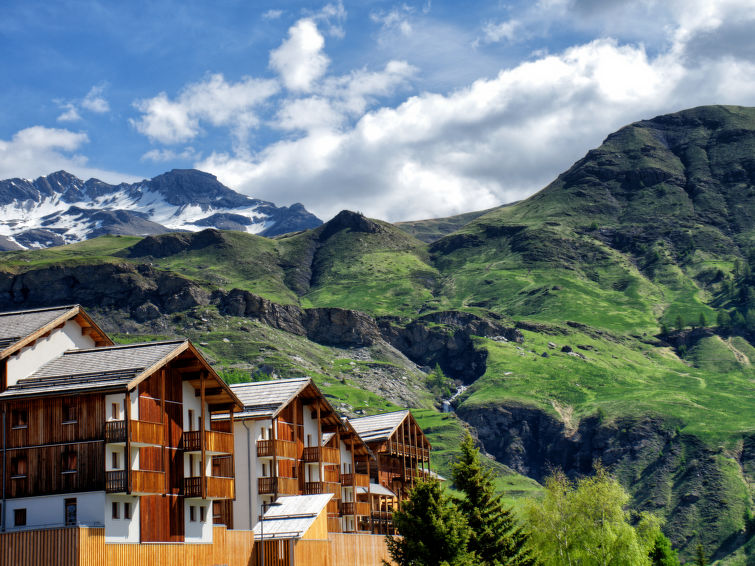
400 110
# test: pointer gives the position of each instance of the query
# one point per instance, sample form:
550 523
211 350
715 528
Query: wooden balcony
281 486
216 488
355 508
142 433
324 454
355 480
281 449
317 487
142 482
215 442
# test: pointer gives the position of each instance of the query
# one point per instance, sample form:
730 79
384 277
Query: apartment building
403 454
109 435
290 441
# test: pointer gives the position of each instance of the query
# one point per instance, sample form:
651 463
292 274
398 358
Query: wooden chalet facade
110 436
290 441
403 454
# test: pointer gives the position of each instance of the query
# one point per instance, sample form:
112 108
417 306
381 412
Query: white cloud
165 155
395 19
38 150
332 16
213 100
272 14
94 101
70 114
495 141
300 60
495 32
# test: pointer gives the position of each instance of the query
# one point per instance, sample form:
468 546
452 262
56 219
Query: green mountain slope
610 316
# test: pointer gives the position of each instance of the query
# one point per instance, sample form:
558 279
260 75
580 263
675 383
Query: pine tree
679 323
702 322
662 553
496 538
433 530
700 559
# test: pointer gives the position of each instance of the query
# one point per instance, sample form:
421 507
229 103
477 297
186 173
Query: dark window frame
19 517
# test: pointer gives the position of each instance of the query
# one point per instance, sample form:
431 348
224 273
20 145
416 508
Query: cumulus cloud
332 17
300 60
39 150
496 141
213 100
94 101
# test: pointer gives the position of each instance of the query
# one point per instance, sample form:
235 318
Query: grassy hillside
631 280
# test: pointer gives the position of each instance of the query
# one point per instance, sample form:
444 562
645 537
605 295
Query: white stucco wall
193 403
118 449
122 530
198 531
48 511
310 428
119 400
345 450
29 359
245 459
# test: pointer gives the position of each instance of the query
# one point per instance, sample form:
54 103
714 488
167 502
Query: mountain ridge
59 209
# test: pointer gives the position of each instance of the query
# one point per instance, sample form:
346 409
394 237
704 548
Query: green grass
97 250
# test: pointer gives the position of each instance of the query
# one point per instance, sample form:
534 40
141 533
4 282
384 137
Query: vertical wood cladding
45 470
45 421
161 519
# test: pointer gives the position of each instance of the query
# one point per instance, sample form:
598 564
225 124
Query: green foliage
496 537
438 384
679 323
433 530
700 558
662 554
586 524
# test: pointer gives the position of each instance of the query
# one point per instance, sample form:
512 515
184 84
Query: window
114 463
191 419
199 422
127 510
68 464
264 470
114 510
203 513
70 512
192 513
263 432
70 411
19 517
116 411
19 418
309 440
18 467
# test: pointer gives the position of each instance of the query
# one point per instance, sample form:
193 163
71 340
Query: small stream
447 404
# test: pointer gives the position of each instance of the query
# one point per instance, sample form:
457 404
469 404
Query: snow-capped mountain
61 209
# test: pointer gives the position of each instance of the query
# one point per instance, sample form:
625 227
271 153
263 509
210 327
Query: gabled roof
265 399
293 517
377 489
20 328
111 368
378 427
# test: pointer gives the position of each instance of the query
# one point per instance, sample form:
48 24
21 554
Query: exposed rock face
671 474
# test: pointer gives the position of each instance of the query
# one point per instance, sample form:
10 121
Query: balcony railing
141 432
317 487
355 480
142 482
282 486
216 488
401 449
324 453
115 482
281 449
215 442
355 508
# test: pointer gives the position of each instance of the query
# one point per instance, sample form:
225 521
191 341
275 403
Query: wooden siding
161 519
283 448
45 474
83 546
318 529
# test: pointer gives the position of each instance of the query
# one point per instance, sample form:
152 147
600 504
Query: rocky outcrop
674 475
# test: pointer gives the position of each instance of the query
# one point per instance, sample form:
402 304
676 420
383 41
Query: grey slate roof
293 517
96 368
378 427
377 489
263 399
19 324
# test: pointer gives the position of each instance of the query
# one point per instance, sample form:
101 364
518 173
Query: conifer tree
433 530
700 558
662 553
496 538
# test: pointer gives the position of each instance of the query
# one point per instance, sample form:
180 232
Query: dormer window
19 418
